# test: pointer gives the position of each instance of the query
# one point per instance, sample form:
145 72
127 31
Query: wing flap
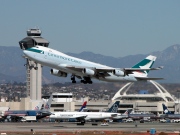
79 69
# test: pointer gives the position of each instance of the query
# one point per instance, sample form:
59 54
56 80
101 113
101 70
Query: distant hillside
12 64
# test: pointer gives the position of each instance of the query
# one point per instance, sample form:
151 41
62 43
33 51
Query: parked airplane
17 115
83 116
63 64
138 116
168 114
114 109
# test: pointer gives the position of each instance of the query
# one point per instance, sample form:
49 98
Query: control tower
33 69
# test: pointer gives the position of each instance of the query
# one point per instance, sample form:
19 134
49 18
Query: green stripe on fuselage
35 50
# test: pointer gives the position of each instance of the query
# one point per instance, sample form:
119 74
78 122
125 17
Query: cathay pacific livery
63 64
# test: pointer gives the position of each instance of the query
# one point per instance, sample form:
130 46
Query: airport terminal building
140 102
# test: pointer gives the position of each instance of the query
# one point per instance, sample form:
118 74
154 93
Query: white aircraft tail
127 112
47 106
39 106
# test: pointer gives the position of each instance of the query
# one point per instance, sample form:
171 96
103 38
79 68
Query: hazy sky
109 27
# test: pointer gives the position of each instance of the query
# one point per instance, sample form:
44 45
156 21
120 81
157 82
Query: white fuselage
83 115
120 116
58 60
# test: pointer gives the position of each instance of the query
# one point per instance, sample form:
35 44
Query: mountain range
12 67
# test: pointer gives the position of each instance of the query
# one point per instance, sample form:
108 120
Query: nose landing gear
31 65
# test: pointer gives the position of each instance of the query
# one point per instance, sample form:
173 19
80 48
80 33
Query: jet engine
118 72
88 71
58 73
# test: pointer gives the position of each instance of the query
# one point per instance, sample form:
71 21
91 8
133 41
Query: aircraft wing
99 71
104 71
79 118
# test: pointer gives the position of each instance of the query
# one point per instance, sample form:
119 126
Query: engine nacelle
58 73
118 72
88 71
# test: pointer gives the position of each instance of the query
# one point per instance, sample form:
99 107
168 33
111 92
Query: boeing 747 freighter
63 64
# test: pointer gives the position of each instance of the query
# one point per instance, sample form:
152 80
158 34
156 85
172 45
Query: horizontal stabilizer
141 69
148 78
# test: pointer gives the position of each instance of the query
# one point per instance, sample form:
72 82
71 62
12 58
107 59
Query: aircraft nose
27 53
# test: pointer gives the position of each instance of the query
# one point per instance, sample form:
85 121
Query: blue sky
110 27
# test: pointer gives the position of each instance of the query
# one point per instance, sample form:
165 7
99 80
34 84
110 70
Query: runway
72 127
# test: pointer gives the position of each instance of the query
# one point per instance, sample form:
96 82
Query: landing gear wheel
73 79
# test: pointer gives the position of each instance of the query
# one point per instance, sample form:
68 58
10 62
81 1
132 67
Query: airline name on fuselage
69 115
64 58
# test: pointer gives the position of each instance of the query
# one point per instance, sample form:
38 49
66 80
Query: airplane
137 116
63 64
84 116
114 109
168 114
18 115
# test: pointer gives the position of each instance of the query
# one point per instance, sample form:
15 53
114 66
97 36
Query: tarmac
73 127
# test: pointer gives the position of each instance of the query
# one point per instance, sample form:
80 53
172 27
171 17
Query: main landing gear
73 79
85 80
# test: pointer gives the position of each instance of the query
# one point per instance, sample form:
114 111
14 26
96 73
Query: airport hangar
66 102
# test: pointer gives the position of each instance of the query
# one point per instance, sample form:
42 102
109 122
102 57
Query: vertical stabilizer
146 63
48 104
127 112
165 109
114 107
83 106
39 106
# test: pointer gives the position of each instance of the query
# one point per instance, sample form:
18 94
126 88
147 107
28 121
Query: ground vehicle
176 120
104 124
129 120
28 118
162 120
